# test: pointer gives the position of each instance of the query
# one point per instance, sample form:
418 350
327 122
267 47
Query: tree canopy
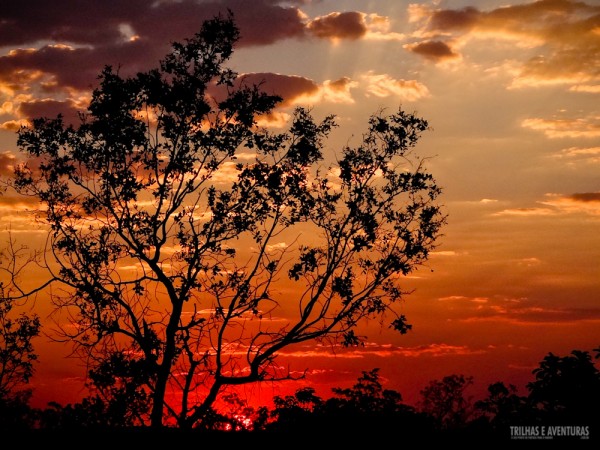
175 218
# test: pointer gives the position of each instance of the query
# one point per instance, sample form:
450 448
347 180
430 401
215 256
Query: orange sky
511 90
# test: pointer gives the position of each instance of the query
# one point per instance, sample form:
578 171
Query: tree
168 207
566 389
503 407
368 396
17 355
366 407
303 410
445 401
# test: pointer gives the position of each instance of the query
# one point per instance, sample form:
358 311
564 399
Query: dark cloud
340 84
94 23
63 45
69 67
346 25
435 50
586 197
289 87
50 109
449 19
521 311
74 21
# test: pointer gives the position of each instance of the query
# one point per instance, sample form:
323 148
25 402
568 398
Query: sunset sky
511 90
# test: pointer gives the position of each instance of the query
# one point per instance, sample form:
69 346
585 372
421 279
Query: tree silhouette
17 356
445 401
174 218
299 411
566 389
503 407
364 408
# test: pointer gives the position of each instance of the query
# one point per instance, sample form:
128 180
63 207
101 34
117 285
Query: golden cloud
383 85
586 154
525 212
578 203
338 91
584 127
14 125
7 162
586 88
564 31
275 119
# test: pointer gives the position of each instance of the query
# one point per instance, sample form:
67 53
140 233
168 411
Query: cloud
437 350
294 90
289 87
49 108
346 25
16 204
378 29
433 50
564 33
586 88
13 125
461 298
109 22
535 315
275 119
338 91
227 173
62 47
383 85
352 25
587 203
60 69
463 19
277 248
444 253
585 154
526 212
583 127
515 310
585 197
384 351
582 203
7 163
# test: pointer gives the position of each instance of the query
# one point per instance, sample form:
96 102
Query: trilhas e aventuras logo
549 432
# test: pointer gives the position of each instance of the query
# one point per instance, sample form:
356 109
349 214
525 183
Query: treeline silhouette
565 391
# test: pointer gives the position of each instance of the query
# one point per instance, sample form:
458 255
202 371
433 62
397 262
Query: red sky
510 89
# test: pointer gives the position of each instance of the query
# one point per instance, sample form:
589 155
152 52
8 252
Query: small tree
166 261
